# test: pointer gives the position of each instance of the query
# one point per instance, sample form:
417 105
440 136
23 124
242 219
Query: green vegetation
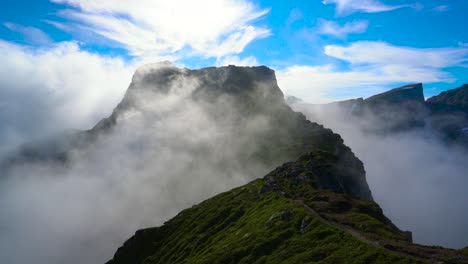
287 217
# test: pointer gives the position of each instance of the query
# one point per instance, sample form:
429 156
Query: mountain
243 104
301 212
175 126
404 109
398 109
412 93
449 114
451 100
315 209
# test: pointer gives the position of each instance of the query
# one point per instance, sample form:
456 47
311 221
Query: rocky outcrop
324 170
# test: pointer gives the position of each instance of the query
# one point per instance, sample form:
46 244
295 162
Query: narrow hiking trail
357 234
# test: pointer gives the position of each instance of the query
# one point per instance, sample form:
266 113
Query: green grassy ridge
261 223
242 226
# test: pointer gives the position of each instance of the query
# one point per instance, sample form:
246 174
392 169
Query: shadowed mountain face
451 100
396 110
178 136
449 114
404 109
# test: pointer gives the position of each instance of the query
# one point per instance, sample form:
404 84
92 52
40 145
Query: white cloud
441 8
236 60
381 53
346 7
31 35
46 90
332 28
156 27
372 66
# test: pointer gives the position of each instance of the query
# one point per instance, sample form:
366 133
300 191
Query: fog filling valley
419 181
170 151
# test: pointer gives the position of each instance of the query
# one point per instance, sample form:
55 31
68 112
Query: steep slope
401 95
404 109
449 115
396 110
302 212
451 100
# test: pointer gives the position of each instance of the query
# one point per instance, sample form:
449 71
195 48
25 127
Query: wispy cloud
346 7
332 28
441 8
236 60
371 66
382 53
31 35
156 27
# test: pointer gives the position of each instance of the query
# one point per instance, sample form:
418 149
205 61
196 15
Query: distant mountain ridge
450 100
405 108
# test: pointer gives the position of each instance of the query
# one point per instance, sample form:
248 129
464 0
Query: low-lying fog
420 182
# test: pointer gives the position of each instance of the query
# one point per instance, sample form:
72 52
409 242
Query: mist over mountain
297 213
178 137
415 156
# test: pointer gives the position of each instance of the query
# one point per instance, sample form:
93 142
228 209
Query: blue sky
296 33
78 56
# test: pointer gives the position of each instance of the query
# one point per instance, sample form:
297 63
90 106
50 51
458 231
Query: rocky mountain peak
253 129
451 100
247 86
408 93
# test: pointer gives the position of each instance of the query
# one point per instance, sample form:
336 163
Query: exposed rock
281 216
324 170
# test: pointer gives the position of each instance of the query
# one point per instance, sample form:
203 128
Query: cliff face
404 109
396 110
412 93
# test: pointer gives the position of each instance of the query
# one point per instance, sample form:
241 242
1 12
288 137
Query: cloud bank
371 65
149 28
172 148
419 181
47 90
